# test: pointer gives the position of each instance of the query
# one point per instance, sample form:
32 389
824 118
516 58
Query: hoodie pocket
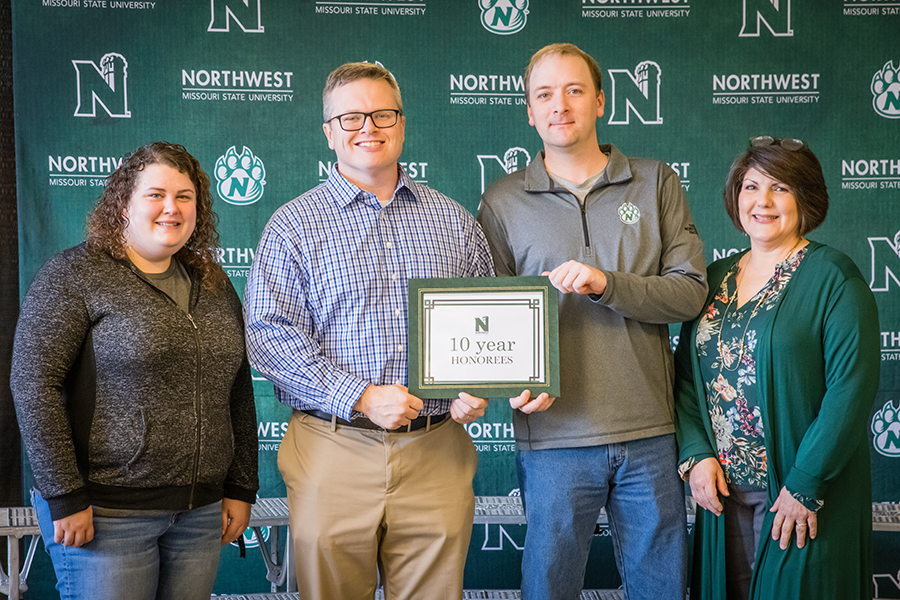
118 442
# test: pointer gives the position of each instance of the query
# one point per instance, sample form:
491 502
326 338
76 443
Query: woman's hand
790 516
75 530
235 519
707 482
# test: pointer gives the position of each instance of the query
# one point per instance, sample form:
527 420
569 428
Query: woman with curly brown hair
133 391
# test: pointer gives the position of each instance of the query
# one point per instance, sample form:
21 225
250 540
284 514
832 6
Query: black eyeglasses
792 144
354 121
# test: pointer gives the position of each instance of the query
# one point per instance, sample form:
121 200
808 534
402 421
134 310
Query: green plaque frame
487 336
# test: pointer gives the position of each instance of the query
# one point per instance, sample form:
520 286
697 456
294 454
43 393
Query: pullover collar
618 170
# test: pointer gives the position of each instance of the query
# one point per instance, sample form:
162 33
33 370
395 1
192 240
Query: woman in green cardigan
774 384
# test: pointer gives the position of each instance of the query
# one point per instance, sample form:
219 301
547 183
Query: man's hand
708 481
389 406
528 405
467 408
75 530
791 516
235 519
572 277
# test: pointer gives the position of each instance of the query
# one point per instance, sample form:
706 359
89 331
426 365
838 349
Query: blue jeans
563 491
139 555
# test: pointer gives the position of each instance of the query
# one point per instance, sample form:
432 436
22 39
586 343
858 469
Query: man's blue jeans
144 555
637 482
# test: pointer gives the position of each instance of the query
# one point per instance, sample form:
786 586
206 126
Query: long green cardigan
817 372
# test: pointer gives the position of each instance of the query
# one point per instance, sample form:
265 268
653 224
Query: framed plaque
488 336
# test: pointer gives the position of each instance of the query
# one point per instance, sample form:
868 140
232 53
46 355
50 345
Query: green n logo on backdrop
775 14
636 93
106 86
885 262
247 14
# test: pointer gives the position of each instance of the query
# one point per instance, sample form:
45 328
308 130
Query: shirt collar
346 192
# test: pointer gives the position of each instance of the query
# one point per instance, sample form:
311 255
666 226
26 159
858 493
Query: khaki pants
362 499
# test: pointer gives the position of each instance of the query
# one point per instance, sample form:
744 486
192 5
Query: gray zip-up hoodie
124 400
615 359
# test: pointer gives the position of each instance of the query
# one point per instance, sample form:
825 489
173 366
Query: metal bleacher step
20 522
272 596
15 524
467 595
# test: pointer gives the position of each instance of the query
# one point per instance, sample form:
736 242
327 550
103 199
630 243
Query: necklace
726 364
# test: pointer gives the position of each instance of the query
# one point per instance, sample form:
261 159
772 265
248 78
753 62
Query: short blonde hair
564 50
354 71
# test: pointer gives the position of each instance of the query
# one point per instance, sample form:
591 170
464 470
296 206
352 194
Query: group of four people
133 391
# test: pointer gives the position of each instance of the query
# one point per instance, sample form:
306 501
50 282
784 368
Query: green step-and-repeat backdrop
239 83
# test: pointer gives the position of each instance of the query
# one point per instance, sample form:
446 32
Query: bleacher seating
19 523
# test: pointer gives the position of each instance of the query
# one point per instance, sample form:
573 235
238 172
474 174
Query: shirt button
390 245
399 348
397 312
393 277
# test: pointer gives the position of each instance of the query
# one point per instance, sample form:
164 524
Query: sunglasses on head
792 144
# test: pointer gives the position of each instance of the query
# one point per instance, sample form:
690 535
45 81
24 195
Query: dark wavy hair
799 169
107 222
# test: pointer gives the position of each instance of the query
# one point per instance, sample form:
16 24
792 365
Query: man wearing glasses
376 478
617 240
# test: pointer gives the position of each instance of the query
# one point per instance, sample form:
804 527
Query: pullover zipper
584 224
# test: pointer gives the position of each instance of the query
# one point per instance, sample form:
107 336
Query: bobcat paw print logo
886 91
241 177
629 213
886 427
503 17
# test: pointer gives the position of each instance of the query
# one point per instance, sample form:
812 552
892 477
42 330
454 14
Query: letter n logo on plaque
481 324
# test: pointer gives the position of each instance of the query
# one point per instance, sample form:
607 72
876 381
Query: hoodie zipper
195 471
197 407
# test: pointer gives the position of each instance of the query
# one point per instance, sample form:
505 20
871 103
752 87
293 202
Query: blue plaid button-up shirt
326 300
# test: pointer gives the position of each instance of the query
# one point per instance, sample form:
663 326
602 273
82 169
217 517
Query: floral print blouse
726 347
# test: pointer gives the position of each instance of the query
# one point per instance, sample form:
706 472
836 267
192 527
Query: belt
364 423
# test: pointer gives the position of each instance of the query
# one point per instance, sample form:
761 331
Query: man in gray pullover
616 238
